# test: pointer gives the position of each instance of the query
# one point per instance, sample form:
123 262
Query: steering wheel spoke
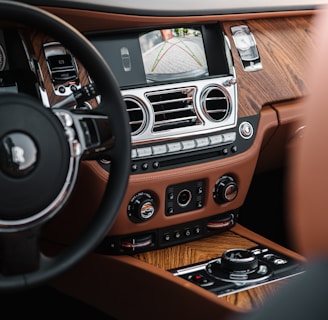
20 251
88 133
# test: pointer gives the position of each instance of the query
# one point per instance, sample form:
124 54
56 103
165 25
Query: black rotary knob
225 189
239 260
239 266
141 207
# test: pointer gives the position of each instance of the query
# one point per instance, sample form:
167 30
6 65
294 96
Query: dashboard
193 119
213 97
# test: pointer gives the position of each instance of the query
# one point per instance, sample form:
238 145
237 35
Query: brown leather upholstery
305 296
308 166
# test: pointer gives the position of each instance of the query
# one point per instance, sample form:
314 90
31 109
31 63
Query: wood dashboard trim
283 45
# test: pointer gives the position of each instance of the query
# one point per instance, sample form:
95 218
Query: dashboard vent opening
173 108
136 113
216 103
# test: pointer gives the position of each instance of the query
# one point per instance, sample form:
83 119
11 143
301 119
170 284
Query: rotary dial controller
239 266
141 207
225 190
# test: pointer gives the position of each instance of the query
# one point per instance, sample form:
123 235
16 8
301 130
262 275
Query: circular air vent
136 113
215 103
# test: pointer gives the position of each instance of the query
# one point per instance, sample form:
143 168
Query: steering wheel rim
119 155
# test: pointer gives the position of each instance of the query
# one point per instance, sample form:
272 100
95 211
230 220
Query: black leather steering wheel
40 153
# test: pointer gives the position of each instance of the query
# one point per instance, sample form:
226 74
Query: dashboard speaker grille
173 108
215 103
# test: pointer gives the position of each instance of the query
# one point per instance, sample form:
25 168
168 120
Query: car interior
163 160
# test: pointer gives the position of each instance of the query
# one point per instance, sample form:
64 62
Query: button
145 166
201 280
73 88
197 230
199 204
133 153
229 137
217 139
225 151
202 142
144 152
187 232
234 149
177 234
274 259
256 251
262 269
159 149
62 89
156 165
167 237
134 167
188 144
279 261
246 130
173 147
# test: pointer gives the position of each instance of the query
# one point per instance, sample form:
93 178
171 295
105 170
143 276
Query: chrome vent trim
215 103
137 114
174 108
184 127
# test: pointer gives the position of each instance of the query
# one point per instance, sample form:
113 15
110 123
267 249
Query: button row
185 145
184 233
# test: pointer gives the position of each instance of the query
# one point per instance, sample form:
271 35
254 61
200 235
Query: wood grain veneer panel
195 251
283 45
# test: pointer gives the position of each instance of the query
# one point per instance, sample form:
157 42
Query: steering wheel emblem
18 154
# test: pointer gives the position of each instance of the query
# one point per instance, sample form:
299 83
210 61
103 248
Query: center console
240 269
181 93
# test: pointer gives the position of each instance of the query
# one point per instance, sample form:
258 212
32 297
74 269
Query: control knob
239 266
141 207
239 260
225 189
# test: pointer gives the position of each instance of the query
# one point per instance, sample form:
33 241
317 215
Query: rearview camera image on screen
171 54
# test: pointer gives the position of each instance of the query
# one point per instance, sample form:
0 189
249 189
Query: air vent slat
173 108
188 108
216 98
171 124
174 120
135 122
171 101
217 111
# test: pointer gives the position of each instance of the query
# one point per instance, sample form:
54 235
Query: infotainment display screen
164 55
172 54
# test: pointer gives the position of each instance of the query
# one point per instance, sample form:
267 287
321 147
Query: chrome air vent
215 103
173 108
137 114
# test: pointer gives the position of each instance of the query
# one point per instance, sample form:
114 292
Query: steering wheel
41 150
